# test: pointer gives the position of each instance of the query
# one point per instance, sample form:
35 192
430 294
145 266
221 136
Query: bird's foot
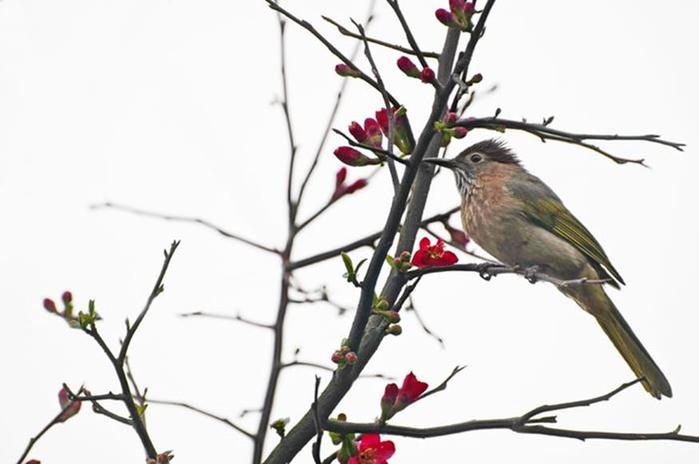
531 273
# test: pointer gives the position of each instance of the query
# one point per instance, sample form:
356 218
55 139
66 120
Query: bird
519 220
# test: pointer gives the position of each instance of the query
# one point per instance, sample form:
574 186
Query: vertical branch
287 118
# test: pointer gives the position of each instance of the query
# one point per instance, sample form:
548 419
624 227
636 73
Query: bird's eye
476 158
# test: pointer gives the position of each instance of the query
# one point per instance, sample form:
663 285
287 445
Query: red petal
449 258
419 259
369 440
383 451
424 243
412 388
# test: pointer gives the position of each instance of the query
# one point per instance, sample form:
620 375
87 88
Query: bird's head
485 156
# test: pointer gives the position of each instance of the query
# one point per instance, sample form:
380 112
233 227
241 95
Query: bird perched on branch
519 220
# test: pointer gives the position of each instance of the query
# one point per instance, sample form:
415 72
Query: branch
158 288
488 270
211 415
526 423
544 132
35 438
408 33
407 51
362 242
228 317
333 113
195 220
387 105
309 27
287 118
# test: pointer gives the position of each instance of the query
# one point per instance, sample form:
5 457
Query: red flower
70 408
371 450
410 391
352 157
396 399
433 255
347 71
408 67
427 75
50 306
357 132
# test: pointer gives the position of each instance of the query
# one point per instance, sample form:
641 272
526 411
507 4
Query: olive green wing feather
545 209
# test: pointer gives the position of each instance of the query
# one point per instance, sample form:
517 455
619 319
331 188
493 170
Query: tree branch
195 220
526 423
544 132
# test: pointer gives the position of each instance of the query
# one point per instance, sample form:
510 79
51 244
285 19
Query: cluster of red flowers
67 312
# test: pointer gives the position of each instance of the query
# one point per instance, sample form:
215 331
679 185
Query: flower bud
351 357
50 306
450 118
357 132
404 256
337 357
373 131
67 297
445 18
345 70
356 185
389 397
408 67
340 177
476 78
427 75
352 157
457 236
394 329
460 132
69 407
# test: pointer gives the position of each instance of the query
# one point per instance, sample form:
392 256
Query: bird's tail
594 300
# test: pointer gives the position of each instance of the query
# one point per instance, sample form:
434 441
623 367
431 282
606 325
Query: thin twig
333 111
379 151
442 386
411 308
195 220
544 132
227 317
406 50
211 415
309 27
408 33
387 106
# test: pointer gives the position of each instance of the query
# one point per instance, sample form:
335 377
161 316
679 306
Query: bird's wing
545 209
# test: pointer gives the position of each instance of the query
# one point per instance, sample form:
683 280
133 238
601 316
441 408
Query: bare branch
228 317
407 51
309 27
195 220
544 132
211 415
408 33
526 423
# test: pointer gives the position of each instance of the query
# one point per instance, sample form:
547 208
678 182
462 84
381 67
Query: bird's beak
447 163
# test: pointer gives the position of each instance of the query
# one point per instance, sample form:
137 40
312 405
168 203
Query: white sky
165 105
